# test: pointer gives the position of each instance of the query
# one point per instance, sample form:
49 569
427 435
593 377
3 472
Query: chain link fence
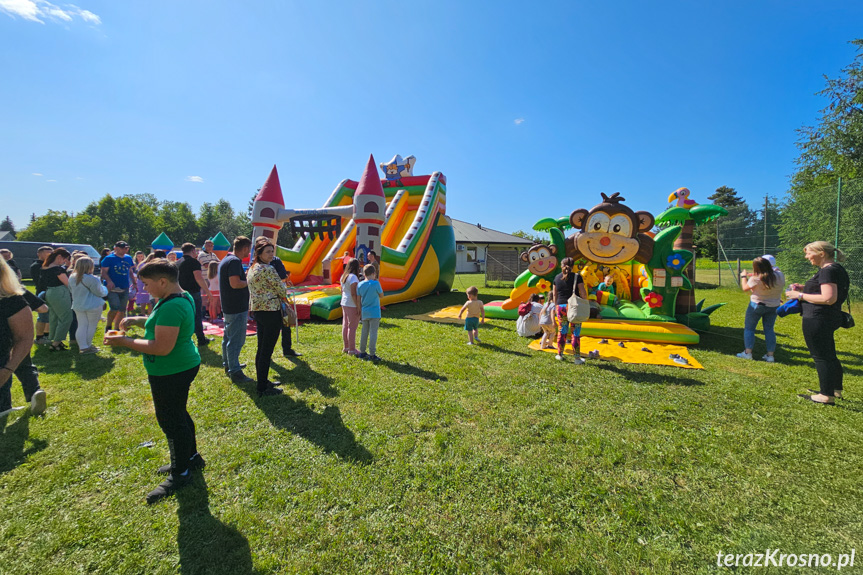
832 213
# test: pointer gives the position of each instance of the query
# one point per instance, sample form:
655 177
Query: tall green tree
178 221
830 150
735 229
45 228
7 225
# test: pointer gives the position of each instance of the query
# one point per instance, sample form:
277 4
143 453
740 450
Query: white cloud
40 10
50 180
197 179
518 121
36 174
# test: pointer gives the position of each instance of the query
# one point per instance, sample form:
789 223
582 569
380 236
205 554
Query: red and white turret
265 210
370 206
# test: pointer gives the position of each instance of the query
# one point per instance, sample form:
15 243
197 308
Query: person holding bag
821 301
567 283
267 294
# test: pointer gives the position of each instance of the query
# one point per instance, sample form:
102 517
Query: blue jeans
767 315
234 339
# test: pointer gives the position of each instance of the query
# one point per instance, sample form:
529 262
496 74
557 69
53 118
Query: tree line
137 219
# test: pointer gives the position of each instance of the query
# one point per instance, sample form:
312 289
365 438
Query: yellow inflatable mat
631 352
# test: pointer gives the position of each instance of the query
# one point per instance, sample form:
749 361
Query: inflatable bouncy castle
402 218
640 283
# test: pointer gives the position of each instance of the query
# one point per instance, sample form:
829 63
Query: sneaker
478 340
196 462
242 366
270 391
43 340
240 377
205 341
769 358
168 487
290 353
558 357
362 355
578 360
682 360
744 355
90 350
470 343
374 357
38 403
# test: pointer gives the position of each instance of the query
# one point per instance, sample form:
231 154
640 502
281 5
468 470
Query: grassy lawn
441 459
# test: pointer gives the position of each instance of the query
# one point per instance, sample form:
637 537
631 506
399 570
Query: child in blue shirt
370 293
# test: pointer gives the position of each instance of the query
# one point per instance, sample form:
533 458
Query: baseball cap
121 244
770 259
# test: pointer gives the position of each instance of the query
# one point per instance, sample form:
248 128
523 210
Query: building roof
466 233
6 237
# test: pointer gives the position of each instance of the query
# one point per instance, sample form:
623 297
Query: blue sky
530 110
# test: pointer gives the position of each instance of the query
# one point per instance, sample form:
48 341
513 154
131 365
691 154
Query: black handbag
847 318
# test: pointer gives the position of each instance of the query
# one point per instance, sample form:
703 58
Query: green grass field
441 459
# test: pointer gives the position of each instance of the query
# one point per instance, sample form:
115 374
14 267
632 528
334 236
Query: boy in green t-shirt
172 362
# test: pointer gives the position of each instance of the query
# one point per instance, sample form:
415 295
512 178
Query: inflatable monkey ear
576 218
523 256
645 221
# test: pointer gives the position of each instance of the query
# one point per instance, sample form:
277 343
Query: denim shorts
117 301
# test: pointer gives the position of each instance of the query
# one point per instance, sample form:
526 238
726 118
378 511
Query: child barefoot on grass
370 293
475 311
546 322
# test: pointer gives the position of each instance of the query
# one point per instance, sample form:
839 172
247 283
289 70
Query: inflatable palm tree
688 214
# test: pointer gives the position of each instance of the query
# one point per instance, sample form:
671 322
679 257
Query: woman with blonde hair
87 294
16 338
821 299
58 297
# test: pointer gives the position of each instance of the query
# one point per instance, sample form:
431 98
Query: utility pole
765 224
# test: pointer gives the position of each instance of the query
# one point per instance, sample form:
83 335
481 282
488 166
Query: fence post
838 199
719 271
738 271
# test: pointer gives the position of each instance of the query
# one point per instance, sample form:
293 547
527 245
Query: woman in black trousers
267 292
821 299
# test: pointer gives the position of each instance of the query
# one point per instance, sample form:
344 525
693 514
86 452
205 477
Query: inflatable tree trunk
686 298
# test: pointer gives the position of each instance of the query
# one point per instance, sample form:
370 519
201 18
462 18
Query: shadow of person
409 369
326 429
13 440
210 357
303 377
650 378
207 545
501 349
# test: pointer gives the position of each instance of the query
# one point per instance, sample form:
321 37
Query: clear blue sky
530 110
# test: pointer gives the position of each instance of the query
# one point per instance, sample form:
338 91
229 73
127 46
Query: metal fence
833 213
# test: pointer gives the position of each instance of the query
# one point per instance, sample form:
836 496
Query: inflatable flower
653 300
543 286
674 261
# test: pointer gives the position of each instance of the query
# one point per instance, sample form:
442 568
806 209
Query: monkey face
608 239
541 259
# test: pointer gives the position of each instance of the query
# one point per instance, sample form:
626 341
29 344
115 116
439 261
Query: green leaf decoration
563 223
699 304
545 224
708 212
713 308
673 216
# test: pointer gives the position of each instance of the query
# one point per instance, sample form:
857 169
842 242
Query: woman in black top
16 337
565 283
821 299
58 297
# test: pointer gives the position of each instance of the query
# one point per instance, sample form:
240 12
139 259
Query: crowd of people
70 299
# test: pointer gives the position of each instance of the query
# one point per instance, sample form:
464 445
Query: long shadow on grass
12 441
326 430
85 366
303 377
210 357
206 544
799 355
499 349
650 378
413 370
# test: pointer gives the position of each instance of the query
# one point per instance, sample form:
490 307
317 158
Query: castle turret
266 208
370 206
